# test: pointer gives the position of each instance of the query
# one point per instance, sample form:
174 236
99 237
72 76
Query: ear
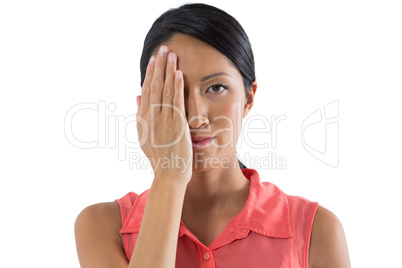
251 94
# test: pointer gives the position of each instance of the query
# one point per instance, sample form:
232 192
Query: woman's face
215 100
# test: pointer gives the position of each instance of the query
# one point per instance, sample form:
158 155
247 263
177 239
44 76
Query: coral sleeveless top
272 230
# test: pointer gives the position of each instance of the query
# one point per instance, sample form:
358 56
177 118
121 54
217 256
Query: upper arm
97 236
328 246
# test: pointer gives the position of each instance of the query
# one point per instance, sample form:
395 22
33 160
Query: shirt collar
266 211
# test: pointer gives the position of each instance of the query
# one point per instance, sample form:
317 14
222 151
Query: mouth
201 142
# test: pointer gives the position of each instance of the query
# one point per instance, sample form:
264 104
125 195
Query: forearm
157 239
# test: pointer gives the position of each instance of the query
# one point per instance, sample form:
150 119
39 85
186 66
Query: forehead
197 59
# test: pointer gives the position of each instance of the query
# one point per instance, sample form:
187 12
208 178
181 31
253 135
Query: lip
199 138
201 142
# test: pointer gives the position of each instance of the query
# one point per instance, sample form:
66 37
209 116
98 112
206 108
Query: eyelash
218 85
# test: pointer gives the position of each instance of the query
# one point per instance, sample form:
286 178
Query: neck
216 191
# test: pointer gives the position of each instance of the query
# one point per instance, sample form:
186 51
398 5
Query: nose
196 112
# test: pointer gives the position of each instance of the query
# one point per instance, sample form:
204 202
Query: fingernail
171 58
178 75
152 61
162 51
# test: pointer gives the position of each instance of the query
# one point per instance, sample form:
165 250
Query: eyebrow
207 77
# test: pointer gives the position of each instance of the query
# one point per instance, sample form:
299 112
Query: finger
158 79
178 95
168 88
138 99
145 91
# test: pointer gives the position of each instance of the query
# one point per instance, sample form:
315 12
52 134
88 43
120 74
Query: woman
197 75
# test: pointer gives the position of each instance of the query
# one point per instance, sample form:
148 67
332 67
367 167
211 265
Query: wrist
175 179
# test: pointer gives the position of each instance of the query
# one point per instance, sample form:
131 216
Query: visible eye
217 88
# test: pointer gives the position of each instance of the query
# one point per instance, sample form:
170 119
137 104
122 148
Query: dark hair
210 25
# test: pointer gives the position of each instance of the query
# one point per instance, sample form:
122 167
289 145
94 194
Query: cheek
228 116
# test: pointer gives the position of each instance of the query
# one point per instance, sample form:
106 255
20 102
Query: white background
57 54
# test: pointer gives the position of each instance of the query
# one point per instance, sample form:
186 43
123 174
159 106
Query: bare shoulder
97 236
328 246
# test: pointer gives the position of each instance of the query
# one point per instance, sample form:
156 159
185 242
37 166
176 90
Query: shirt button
206 256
